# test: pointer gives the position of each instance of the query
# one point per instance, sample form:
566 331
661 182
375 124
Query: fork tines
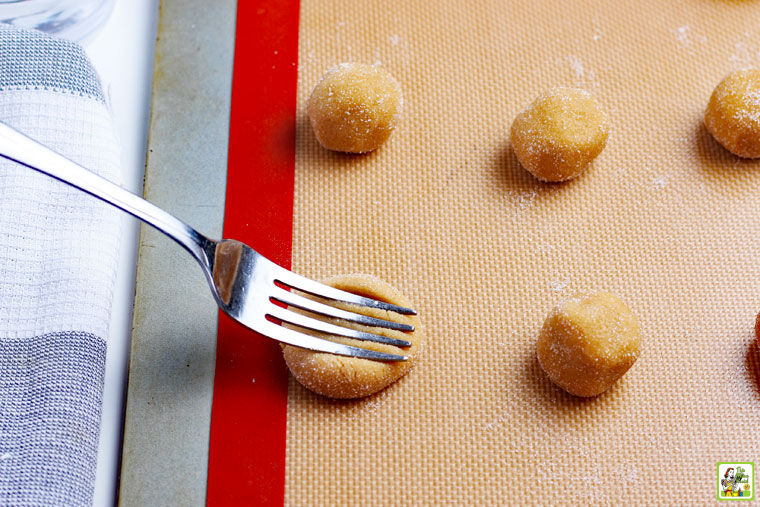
326 292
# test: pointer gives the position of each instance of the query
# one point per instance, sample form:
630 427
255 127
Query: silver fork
248 287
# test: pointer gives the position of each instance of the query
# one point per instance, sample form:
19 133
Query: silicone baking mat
665 218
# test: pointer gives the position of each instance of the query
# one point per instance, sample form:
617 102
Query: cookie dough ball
733 113
350 377
355 107
558 135
588 342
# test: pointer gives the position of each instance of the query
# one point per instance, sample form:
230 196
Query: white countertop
122 53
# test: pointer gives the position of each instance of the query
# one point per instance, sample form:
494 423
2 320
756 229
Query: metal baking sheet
171 372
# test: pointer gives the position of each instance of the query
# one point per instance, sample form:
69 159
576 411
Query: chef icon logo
736 481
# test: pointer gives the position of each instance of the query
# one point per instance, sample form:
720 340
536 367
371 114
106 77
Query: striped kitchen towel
58 256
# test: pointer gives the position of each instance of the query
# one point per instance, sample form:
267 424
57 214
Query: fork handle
20 148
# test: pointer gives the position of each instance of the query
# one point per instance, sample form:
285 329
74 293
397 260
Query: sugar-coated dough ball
588 342
559 135
355 107
350 377
733 113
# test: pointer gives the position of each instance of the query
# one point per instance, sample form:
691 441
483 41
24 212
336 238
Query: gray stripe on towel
50 396
32 60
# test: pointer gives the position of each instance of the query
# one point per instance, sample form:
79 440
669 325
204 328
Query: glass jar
72 19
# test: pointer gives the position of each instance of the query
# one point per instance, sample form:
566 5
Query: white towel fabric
58 255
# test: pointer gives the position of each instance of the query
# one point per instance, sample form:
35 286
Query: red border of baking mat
248 415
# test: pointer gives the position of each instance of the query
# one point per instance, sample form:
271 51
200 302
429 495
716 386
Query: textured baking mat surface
665 218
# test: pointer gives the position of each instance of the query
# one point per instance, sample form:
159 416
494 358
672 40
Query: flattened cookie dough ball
733 113
355 107
588 342
559 135
350 377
